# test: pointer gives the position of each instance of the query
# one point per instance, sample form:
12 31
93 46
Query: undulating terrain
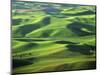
49 37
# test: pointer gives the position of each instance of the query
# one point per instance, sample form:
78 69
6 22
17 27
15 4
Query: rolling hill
56 37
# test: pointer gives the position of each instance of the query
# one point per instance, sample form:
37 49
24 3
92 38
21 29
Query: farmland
49 37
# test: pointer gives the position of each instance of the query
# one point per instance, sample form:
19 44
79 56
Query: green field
49 37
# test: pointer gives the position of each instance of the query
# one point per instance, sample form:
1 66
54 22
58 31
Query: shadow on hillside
28 46
84 49
46 20
20 62
23 30
64 42
46 33
16 21
76 66
30 40
76 28
27 28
